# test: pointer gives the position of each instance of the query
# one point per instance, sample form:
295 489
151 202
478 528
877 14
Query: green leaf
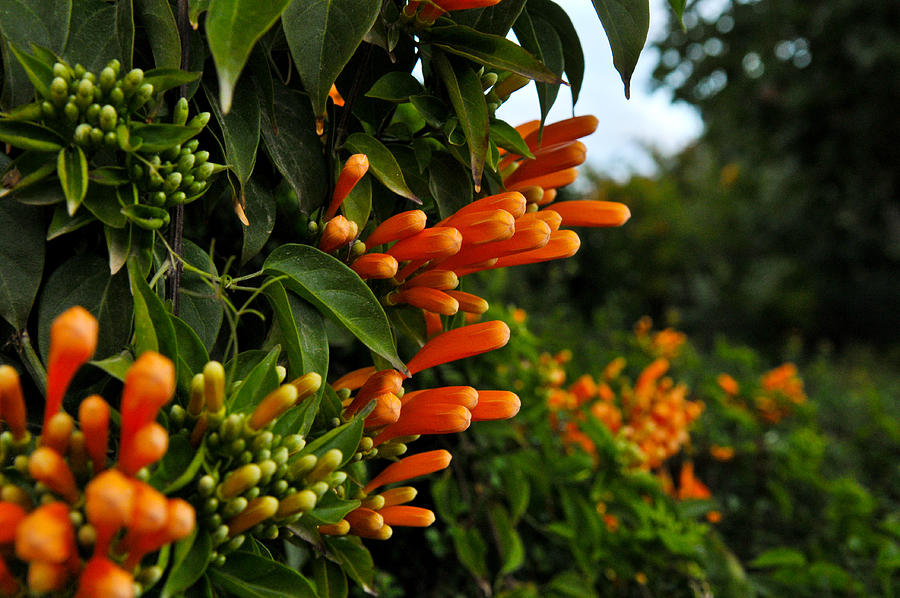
103 203
449 183
179 466
337 292
110 176
261 380
345 438
21 260
195 9
189 561
330 579
395 86
779 557
29 168
146 217
512 551
100 31
125 32
164 79
29 136
260 209
499 18
626 23
240 128
192 355
232 28
432 108
355 560
409 321
118 244
200 307
153 330
162 32
382 163
322 36
61 223
85 280
466 96
678 8
72 170
157 137
291 142
38 72
331 509
116 366
506 136
357 206
537 36
491 50
250 576
470 550
573 55
41 22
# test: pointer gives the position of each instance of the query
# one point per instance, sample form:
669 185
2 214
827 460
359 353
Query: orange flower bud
728 384
47 466
433 323
354 169
407 516
460 343
530 234
562 131
180 522
149 510
553 180
338 232
57 432
442 280
335 529
398 496
453 395
395 228
495 404
469 303
103 578
378 383
475 267
93 417
364 521
562 244
258 510
426 418
592 213
353 380
552 219
9 585
410 467
511 201
426 298
273 406
483 227
46 577
46 534
73 339
149 384
307 385
335 96
547 160
382 533
387 411
12 404
375 265
147 446
430 244
108 504
11 515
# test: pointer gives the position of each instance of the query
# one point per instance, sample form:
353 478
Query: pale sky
626 127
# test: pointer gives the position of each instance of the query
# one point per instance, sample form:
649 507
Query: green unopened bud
299 502
267 467
263 440
213 440
240 480
195 188
107 79
85 89
232 426
210 505
280 455
391 449
328 462
252 493
96 136
79 71
233 544
199 121
280 487
302 466
293 443
62 71
374 502
149 576
197 400
186 163
177 415
343 394
180 112
82 134
234 507
132 80
116 96
319 488
237 446
201 157
204 171
257 511
87 535
219 535
205 485
59 91
365 444
245 457
141 96
214 385
171 184
158 198
92 114
488 80
337 478
108 117
47 109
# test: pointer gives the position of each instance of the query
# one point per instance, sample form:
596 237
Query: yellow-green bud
85 89
59 91
365 444
298 502
234 507
61 70
132 80
267 468
280 455
276 403
171 184
219 535
337 478
319 488
240 480
374 502
293 443
391 449
263 441
280 370
200 120
197 400
214 385
301 466
108 117
201 157
307 385
233 544
257 511
180 112
328 462
87 535
107 79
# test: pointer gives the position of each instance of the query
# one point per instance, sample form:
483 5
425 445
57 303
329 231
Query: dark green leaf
39 72
357 206
260 209
506 136
85 281
466 96
432 108
61 223
261 380
192 355
291 142
162 32
179 465
345 438
232 28
779 557
331 509
195 9
331 582
678 8
153 330
29 136
116 366
200 308
29 168
499 18
164 79
72 170
395 86
188 563
626 23
302 330
146 217
118 244
509 542
336 291
538 37
573 55
110 176
322 36
41 22
21 260
470 550
157 137
450 184
125 32
354 559
240 128
103 203
99 32
249 576
491 50
382 163
410 321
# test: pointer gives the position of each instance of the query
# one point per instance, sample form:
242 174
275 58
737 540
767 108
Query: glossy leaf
103 203
247 575
337 292
189 560
85 281
21 260
345 438
192 355
432 108
537 36
322 36
355 560
164 79
290 140
72 170
162 32
506 136
331 582
200 307
302 331
153 330
470 550
498 19
259 382
464 88
98 32
116 366
240 128
26 178
118 244
678 8
29 136
626 23
331 509
382 163
61 223
491 50
449 183
157 137
232 28
357 206
573 54
395 86
38 72
146 217
260 209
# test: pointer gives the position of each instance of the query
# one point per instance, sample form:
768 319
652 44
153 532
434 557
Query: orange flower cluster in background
780 390
70 502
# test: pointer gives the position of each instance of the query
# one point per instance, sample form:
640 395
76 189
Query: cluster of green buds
257 481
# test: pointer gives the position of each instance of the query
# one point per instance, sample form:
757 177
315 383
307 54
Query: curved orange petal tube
460 343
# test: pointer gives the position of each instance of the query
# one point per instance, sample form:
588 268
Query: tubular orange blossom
46 534
592 213
484 226
547 160
101 577
426 298
375 265
73 339
432 243
397 227
426 418
469 303
149 384
339 231
354 169
148 445
353 380
406 516
410 467
553 180
511 201
562 244
495 404
11 515
460 343
47 466
456 395
93 417
443 280
12 403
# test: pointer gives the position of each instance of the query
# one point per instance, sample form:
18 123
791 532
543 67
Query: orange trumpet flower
378 383
406 516
426 298
375 265
395 228
453 395
11 515
432 243
511 201
443 280
460 343
495 404
73 339
354 169
354 379
109 499
147 446
48 466
483 226
46 534
553 180
12 403
387 411
101 577
469 303
547 160
93 417
592 213
426 418
410 467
